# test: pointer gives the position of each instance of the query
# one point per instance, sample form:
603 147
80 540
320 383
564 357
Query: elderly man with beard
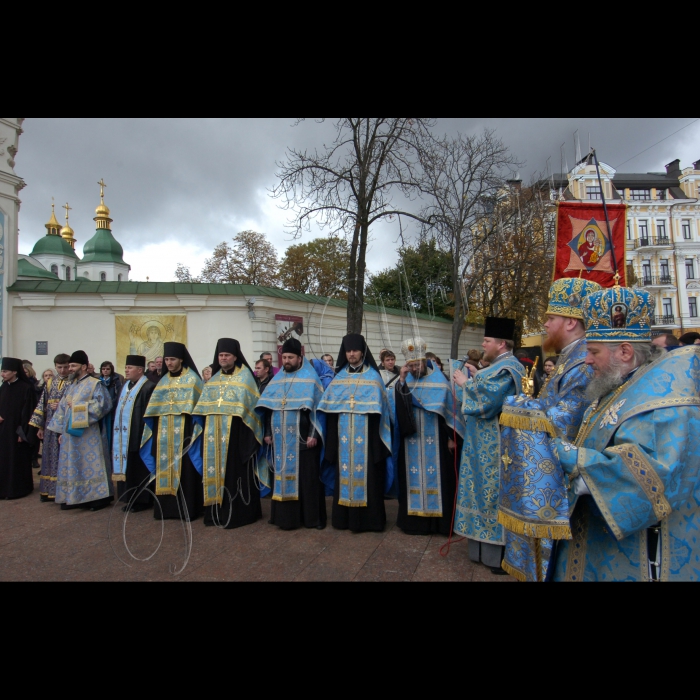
559 407
84 464
633 469
430 429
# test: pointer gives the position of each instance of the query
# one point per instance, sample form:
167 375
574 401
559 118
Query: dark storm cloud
199 181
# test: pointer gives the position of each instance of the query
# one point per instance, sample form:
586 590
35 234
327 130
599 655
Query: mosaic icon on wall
147 334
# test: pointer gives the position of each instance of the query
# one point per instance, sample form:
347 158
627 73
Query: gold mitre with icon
414 349
567 294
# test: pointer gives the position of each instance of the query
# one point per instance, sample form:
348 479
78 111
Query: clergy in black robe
294 432
17 402
232 436
430 431
129 471
170 446
358 438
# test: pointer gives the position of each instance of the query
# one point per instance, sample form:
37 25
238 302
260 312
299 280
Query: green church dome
53 245
26 269
103 247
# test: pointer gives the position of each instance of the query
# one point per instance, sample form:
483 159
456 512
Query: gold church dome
102 211
53 226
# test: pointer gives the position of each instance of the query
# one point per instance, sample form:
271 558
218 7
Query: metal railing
657 281
653 242
665 321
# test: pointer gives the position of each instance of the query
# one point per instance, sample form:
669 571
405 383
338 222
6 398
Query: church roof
233 290
26 269
103 247
54 245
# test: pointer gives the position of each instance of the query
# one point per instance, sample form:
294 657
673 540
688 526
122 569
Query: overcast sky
178 187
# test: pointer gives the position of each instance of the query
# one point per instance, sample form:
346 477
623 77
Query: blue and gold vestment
638 452
477 492
354 397
84 474
225 397
286 395
533 505
172 401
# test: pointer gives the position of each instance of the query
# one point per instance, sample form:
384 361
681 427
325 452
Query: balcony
653 242
665 322
657 281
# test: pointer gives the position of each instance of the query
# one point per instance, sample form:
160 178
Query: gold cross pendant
220 401
352 403
284 402
507 461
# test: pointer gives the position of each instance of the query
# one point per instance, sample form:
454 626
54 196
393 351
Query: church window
103 277
68 274
54 269
119 278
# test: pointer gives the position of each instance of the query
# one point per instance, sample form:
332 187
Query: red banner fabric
583 245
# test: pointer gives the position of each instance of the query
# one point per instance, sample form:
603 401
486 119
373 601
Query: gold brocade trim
551 531
659 403
637 463
524 422
665 536
512 571
576 562
118 477
80 416
423 514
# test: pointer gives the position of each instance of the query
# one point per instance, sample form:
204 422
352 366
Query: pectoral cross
220 401
507 461
352 403
284 402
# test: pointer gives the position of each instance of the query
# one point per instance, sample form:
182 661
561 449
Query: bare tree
351 185
184 274
465 176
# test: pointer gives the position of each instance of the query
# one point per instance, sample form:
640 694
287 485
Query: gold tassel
539 531
118 477
518 575
533 423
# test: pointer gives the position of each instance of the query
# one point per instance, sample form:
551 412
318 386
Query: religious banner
147 334
584 248
288 327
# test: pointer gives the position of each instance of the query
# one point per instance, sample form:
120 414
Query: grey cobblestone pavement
39 542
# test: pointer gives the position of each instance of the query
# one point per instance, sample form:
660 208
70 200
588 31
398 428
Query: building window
644 229
686 229
103 277
693 306
593 193
640 194
661 194
54 269
661 229
646 272
668 308
629 230
68 274
689 269
665 275
119 278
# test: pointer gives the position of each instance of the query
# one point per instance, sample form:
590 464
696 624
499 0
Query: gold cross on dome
67 208
507 461
102 185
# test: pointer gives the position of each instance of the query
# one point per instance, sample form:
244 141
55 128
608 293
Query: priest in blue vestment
428 432
532 504
358 439
634 467
483 394
294 435
84 463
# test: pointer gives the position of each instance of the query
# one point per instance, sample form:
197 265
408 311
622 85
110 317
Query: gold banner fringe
535 424
519 527
518 575
118 477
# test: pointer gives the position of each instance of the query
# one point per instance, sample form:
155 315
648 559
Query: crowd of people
584 470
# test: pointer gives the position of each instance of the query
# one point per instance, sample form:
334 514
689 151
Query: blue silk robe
84 471
476 516
563 402
638 452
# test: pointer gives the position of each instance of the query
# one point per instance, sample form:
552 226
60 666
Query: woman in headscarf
113 384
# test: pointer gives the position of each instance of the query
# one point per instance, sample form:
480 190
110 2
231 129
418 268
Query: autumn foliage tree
317 267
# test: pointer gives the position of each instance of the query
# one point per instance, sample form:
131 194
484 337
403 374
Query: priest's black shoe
498 571
321 526
65 506
99 505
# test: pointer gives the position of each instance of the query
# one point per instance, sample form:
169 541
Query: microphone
463 362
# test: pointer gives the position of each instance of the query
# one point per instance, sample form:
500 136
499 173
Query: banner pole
607 219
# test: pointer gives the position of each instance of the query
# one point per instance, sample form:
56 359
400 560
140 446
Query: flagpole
607 219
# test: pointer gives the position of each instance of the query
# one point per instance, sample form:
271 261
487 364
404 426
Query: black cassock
241 498
17 403
372 517
415 524
136 471
191 488
310 509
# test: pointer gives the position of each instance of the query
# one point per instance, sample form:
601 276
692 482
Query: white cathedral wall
70 322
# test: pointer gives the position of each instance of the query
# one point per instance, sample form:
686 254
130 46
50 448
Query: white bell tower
10 185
